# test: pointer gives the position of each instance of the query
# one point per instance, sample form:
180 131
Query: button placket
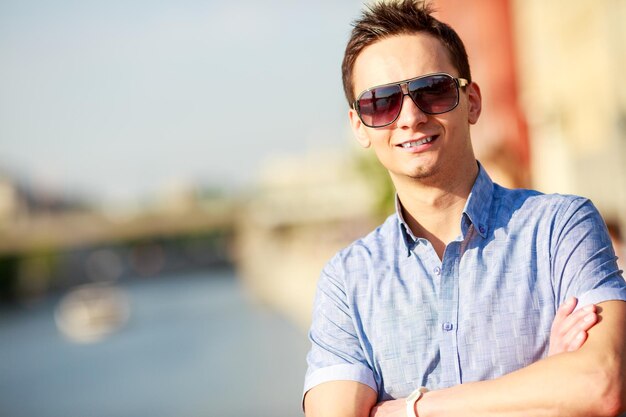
448 313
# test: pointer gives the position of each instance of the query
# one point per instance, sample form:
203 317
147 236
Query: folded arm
587 382
353 399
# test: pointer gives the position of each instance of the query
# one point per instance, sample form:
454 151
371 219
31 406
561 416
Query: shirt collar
476 210
478 204
405 231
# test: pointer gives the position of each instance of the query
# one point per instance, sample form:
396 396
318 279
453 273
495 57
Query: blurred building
554 109
307 207
572 57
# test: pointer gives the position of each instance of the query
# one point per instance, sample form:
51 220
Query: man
456 294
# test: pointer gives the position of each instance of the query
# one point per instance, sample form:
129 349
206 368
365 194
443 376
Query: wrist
411 401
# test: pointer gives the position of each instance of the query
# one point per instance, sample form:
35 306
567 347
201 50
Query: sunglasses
433 94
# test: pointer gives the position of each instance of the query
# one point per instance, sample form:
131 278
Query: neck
432 209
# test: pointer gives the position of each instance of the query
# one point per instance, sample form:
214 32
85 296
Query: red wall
486 27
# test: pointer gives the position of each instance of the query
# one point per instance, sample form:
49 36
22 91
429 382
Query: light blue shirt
388 313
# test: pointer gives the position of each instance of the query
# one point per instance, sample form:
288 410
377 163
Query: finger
590 317
577 334
566 326
578 341
575 321
564 311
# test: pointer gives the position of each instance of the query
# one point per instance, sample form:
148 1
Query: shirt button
481 228
447 326
437 270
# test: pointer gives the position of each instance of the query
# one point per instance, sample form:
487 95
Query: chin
415 174
422 172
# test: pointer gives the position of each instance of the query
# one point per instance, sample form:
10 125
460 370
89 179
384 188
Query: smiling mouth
416 143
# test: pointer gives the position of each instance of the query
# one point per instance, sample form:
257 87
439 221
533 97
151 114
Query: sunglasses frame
404 88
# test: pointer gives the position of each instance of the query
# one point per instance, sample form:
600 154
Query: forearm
557 386
588 382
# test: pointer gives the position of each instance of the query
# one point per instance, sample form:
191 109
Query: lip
419 148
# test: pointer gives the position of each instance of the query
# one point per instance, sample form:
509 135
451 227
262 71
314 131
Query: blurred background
174 175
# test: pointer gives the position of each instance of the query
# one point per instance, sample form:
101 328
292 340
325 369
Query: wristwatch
412 399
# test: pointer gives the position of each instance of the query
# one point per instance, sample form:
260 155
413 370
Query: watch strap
412 399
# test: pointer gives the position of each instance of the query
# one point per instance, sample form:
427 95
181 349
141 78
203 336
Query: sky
115 100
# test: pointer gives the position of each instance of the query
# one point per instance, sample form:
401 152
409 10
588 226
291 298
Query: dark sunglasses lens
380 106
435 94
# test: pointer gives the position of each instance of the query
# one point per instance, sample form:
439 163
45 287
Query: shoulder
530 214
372 249
534 198
554 218
376 243
534 203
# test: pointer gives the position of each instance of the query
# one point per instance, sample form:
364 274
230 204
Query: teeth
417 142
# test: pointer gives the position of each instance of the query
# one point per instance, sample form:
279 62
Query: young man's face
399 58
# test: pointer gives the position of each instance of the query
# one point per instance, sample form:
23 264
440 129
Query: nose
410 114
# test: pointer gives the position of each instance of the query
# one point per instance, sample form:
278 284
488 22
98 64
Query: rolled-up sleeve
583 260
336 350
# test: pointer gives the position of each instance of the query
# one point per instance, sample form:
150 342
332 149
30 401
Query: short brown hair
394 17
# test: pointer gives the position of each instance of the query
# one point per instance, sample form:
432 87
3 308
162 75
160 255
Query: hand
569 330
391 408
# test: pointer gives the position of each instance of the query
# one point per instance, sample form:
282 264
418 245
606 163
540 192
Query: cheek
382 148
456 126
379 138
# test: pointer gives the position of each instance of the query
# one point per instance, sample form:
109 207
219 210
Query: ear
359 129
474 100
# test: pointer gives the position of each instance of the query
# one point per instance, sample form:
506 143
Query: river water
194 345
